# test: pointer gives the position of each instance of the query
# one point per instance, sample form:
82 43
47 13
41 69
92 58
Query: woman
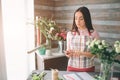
79 59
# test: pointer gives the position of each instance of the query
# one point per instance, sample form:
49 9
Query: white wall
18 39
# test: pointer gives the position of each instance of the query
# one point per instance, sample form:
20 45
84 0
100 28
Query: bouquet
107 54
103 50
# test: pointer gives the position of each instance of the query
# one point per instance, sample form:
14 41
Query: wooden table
61 73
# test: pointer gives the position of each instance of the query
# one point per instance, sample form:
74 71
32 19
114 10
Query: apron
80 63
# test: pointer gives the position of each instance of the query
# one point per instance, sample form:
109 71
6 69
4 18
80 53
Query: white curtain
17 39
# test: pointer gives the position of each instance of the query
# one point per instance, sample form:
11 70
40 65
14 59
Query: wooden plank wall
44 8
105 14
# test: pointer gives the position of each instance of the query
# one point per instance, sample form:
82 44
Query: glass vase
48 43
60 46
48 47
106 71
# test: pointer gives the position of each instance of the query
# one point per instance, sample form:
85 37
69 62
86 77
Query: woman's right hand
68 53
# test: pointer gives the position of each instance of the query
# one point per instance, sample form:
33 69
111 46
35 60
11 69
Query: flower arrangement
103 50
50 29
106 53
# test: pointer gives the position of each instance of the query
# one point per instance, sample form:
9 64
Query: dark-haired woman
79 59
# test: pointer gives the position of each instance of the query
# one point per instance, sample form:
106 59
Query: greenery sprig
39 76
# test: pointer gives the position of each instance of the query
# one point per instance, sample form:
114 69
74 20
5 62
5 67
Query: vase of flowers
61 37
49 29
106 53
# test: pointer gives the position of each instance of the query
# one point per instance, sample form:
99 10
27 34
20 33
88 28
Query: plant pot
42 51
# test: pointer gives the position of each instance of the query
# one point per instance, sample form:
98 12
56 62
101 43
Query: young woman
79 59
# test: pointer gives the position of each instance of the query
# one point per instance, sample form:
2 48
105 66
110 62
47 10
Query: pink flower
63 35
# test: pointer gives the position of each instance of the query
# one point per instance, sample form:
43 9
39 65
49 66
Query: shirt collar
84 30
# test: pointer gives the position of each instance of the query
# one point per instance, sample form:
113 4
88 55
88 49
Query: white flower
103 42
116 45
52 28
100 47
92 44
97 42
117 49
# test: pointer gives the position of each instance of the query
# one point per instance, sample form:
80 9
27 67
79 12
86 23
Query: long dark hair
87 18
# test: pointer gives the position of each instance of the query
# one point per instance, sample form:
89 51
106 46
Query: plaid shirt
77 42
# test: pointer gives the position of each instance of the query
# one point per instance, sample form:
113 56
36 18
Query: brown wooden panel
110 40
67 26
109 29
83 2
44 13
103 14
106 14
64 15
44 2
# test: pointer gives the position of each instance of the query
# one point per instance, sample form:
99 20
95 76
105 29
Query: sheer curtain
18 37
